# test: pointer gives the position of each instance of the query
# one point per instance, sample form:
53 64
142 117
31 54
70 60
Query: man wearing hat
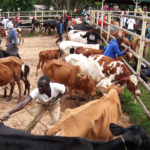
12 45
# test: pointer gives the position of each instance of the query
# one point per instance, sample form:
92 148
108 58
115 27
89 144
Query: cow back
61 72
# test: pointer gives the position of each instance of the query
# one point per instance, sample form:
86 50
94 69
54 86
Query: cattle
10 72
82 122
48 25
24 71
94 70
133 138
36 25
69 75
136 46
88 51
3 33
66 46
75 36
112 29
45 56
117 71
19 32
124 34
78 21
114 22
80 27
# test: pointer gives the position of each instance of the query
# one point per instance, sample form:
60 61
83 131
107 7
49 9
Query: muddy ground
29 52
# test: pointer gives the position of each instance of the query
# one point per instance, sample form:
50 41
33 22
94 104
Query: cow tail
60 53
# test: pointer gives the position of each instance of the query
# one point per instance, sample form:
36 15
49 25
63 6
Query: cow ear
116 129
147 143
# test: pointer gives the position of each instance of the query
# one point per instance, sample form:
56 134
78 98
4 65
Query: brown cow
19 32
91 120
69 75
117 71
136 46
88 51
10 72
3 33
45 56
116 33
114 22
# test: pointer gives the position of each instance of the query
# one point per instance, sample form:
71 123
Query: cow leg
27 87
19 87
38 66
42 65
77 98
19 36
12 84
5 91
70 95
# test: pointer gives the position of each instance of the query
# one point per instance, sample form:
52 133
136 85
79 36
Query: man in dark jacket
113 48
59 31
92 37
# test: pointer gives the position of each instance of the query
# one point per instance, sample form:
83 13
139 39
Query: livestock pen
143 40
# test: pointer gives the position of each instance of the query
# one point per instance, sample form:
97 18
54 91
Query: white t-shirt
124 21
131 23
56 89
5 21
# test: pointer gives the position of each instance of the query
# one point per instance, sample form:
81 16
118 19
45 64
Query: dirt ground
29 52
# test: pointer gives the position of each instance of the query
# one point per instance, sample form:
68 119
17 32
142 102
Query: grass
134 110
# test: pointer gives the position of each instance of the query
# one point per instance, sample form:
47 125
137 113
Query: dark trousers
60 38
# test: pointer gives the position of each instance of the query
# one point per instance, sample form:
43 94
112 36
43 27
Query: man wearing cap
12 45
16 18
125 20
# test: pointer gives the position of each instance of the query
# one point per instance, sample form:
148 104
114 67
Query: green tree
13 5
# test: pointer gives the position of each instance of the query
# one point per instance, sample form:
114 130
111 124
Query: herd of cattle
83 68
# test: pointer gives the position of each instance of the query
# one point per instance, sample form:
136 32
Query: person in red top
16 19
104 18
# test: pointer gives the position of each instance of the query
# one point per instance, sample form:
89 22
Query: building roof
129 2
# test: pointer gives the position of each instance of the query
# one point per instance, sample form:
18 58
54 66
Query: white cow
74 35
88 66
78 21
66 46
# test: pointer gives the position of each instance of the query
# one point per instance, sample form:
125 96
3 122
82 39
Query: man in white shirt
5 21
125 20
131 22
47 95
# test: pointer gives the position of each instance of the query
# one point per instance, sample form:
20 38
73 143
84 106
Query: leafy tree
13 5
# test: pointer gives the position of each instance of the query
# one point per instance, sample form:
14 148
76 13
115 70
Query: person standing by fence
131 23
59 31
5 21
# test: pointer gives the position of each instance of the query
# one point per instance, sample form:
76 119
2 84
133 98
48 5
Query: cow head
87 84
132 85
134 137
70 28
129 57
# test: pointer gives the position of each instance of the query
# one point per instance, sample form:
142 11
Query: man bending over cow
92 37
47 95
113 48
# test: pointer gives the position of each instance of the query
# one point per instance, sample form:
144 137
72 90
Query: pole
68 4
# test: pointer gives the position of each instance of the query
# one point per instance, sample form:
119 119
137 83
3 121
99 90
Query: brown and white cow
45 56
88 51
91 120
10 72
136 46
117 71
69 75
19 32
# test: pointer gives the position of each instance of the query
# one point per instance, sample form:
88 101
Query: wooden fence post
102 21
121 23
141 46
109 21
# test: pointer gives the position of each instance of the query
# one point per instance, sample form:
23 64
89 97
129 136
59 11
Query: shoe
57 44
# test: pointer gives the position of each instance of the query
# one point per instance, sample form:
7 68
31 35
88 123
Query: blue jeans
130 36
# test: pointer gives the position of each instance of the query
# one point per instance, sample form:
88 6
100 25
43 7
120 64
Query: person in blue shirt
12 44
113 48
59 31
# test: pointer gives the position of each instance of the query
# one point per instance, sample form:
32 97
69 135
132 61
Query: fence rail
142 38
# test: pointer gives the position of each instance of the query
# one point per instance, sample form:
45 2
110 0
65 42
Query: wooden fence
145 18
26 16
